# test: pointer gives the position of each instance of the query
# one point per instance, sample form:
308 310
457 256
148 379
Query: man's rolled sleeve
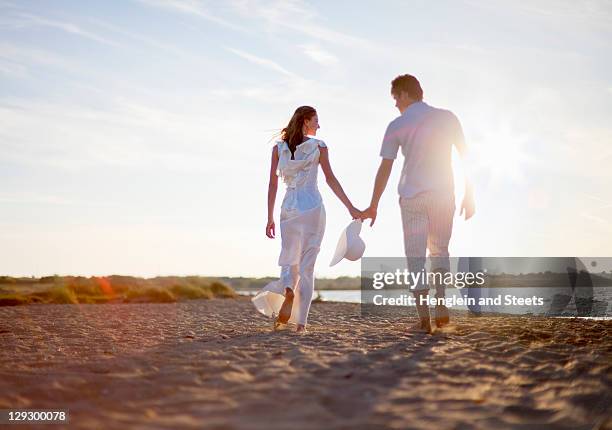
390 144
456 133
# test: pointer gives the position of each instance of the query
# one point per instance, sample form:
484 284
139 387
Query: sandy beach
216 364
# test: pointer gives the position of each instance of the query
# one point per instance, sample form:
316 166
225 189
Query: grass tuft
113 289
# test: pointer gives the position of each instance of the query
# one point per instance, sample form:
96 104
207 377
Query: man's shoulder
425 112
396 122
444 113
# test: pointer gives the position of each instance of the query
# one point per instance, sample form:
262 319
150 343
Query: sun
502 154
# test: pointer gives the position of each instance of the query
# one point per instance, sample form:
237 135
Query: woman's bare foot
423 326
301 328
285 311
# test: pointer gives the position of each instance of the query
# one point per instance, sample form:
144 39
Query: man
426 136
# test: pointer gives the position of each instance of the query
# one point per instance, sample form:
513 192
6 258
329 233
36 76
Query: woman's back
301 171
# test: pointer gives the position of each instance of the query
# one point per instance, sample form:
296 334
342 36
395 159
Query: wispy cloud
152 42
296 16
606 204
602 222
194 8
28 19
25 197
274 15
18 59
124 133
319 55
264 62
591 13
12 69
8 5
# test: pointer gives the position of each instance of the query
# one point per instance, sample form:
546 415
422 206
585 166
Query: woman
296 158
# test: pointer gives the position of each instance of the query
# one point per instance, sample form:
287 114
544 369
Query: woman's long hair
293 133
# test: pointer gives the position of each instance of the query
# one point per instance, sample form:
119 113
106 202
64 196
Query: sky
135 136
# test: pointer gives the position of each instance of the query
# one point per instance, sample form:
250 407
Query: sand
216 364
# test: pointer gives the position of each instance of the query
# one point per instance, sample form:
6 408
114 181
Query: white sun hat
350 245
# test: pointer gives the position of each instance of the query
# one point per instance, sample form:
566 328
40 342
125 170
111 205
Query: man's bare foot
285 311
442 316
423 326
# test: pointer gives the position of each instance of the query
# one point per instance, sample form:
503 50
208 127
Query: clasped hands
370 212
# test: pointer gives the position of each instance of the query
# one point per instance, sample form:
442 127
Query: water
346 296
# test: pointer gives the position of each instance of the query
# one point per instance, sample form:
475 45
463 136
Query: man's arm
468 205
382 177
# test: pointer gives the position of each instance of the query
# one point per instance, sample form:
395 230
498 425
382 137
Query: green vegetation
129 289
109 289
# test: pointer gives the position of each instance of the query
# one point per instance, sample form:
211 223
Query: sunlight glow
502 155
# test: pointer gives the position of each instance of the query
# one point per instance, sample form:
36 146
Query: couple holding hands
425 135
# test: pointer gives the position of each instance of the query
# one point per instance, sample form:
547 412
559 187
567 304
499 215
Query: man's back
426 136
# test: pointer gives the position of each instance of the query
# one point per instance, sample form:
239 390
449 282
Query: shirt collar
415 106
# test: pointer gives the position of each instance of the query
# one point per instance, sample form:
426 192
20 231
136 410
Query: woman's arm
334 184
272 188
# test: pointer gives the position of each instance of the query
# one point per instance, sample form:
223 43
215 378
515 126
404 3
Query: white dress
302 225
